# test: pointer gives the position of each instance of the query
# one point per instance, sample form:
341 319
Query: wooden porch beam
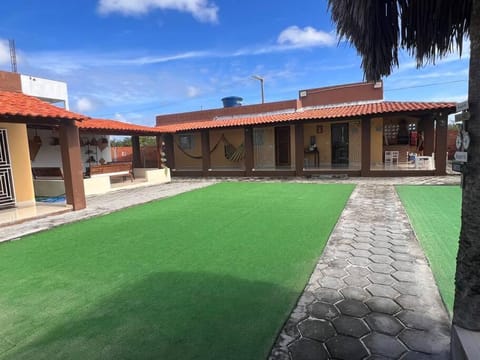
205 136
299 149
136 155
366 150
249 163
169 150
441 134
72 165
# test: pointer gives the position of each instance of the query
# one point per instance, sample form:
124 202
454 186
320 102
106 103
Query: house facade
16 112
46 150
347 129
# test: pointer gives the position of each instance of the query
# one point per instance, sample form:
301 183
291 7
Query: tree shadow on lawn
169 316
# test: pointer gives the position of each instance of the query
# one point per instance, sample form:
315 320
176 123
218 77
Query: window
186 141
390 133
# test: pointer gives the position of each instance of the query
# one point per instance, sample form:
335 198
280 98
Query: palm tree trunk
467 278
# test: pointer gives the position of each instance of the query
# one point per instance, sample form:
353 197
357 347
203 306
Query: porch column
249 163
441 133
136 155
299 151
72 165
169 150
158 143
366 155
428 136
205 135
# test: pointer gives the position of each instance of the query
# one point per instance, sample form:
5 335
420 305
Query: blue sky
134 59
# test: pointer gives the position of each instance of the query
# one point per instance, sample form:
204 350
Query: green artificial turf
434 212
210 274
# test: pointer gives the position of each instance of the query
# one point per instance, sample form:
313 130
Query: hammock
231 152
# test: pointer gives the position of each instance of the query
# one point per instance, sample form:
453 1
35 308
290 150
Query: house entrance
7 197
282 146
340 144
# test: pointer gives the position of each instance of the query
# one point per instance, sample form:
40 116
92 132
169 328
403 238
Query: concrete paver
104 204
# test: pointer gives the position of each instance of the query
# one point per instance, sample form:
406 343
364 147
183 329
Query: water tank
232 101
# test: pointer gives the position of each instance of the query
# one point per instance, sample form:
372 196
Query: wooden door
282 146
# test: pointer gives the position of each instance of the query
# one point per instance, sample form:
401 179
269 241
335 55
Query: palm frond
427 29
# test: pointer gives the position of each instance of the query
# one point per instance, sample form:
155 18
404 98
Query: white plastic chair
391 157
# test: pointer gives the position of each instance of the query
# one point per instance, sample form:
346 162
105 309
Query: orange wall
323 137
20 160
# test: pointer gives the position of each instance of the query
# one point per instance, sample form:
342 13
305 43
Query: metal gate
7 197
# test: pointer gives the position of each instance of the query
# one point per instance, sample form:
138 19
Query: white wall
49 155
48 90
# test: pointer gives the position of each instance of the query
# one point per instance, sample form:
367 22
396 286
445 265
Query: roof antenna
13 55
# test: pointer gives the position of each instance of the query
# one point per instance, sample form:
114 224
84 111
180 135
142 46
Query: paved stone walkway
105 204
372 294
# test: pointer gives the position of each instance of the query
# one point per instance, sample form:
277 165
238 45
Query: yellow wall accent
376 141
217 158
324 140
183 161
20 160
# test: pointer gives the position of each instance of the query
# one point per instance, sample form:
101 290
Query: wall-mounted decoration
34 146
319 129
103 144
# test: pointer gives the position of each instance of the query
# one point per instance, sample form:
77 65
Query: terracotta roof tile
323 113
115 126
21 105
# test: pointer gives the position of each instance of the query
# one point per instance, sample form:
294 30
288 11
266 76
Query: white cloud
202 10
192 91
306 37
4 52
120 117
84 104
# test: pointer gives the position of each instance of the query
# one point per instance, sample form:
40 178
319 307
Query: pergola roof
115 127
333 112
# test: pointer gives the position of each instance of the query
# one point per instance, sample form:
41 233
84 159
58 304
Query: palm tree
428 30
